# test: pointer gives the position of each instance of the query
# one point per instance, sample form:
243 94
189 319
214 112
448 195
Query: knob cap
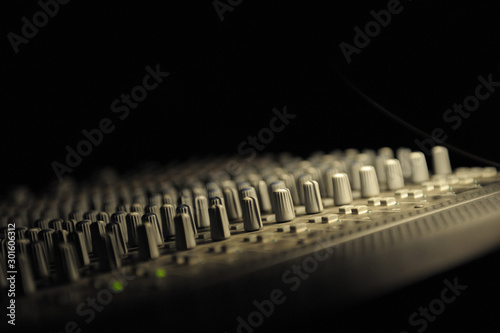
291 184
284 205
232 203
183 208
342 194
301 181
441 160
102 216
355 180
201 211
121 218
82 253
114 229
167 213
146 241
84 227
184 235
133 222
137 207
380 168
251 214
403 155
108 253
369 182
248 192
394 174
219 223
273 187
386 151
153 219
419 171
152 208
66 263
312 197
263 196
328 182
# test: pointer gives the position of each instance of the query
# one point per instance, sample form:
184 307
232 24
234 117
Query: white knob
441 160
419 171
312 197
369 182
285 210
394 174
342 194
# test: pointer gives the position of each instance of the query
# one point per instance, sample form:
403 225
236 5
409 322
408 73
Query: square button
415 194
388 201
427 186
285 228
316 219
347 209
401 193
299 227
375 201
358 210
329 218
300 210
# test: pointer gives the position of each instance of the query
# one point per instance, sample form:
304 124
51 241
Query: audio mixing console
158 243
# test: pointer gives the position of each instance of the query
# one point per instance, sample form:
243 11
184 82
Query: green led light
117 285
160 272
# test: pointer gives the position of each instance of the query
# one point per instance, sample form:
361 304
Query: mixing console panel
352 224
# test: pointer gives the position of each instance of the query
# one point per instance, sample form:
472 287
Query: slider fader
159 241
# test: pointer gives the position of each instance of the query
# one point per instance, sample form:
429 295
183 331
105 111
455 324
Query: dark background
226 77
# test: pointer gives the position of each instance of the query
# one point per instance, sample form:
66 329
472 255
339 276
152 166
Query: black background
226 77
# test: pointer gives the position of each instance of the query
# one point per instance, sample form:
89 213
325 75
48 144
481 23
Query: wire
411 127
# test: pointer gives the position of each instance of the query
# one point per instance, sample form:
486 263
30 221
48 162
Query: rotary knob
369 182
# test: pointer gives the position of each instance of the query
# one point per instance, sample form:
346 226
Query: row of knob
70 202
282 203
70 244
254 199
109 238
